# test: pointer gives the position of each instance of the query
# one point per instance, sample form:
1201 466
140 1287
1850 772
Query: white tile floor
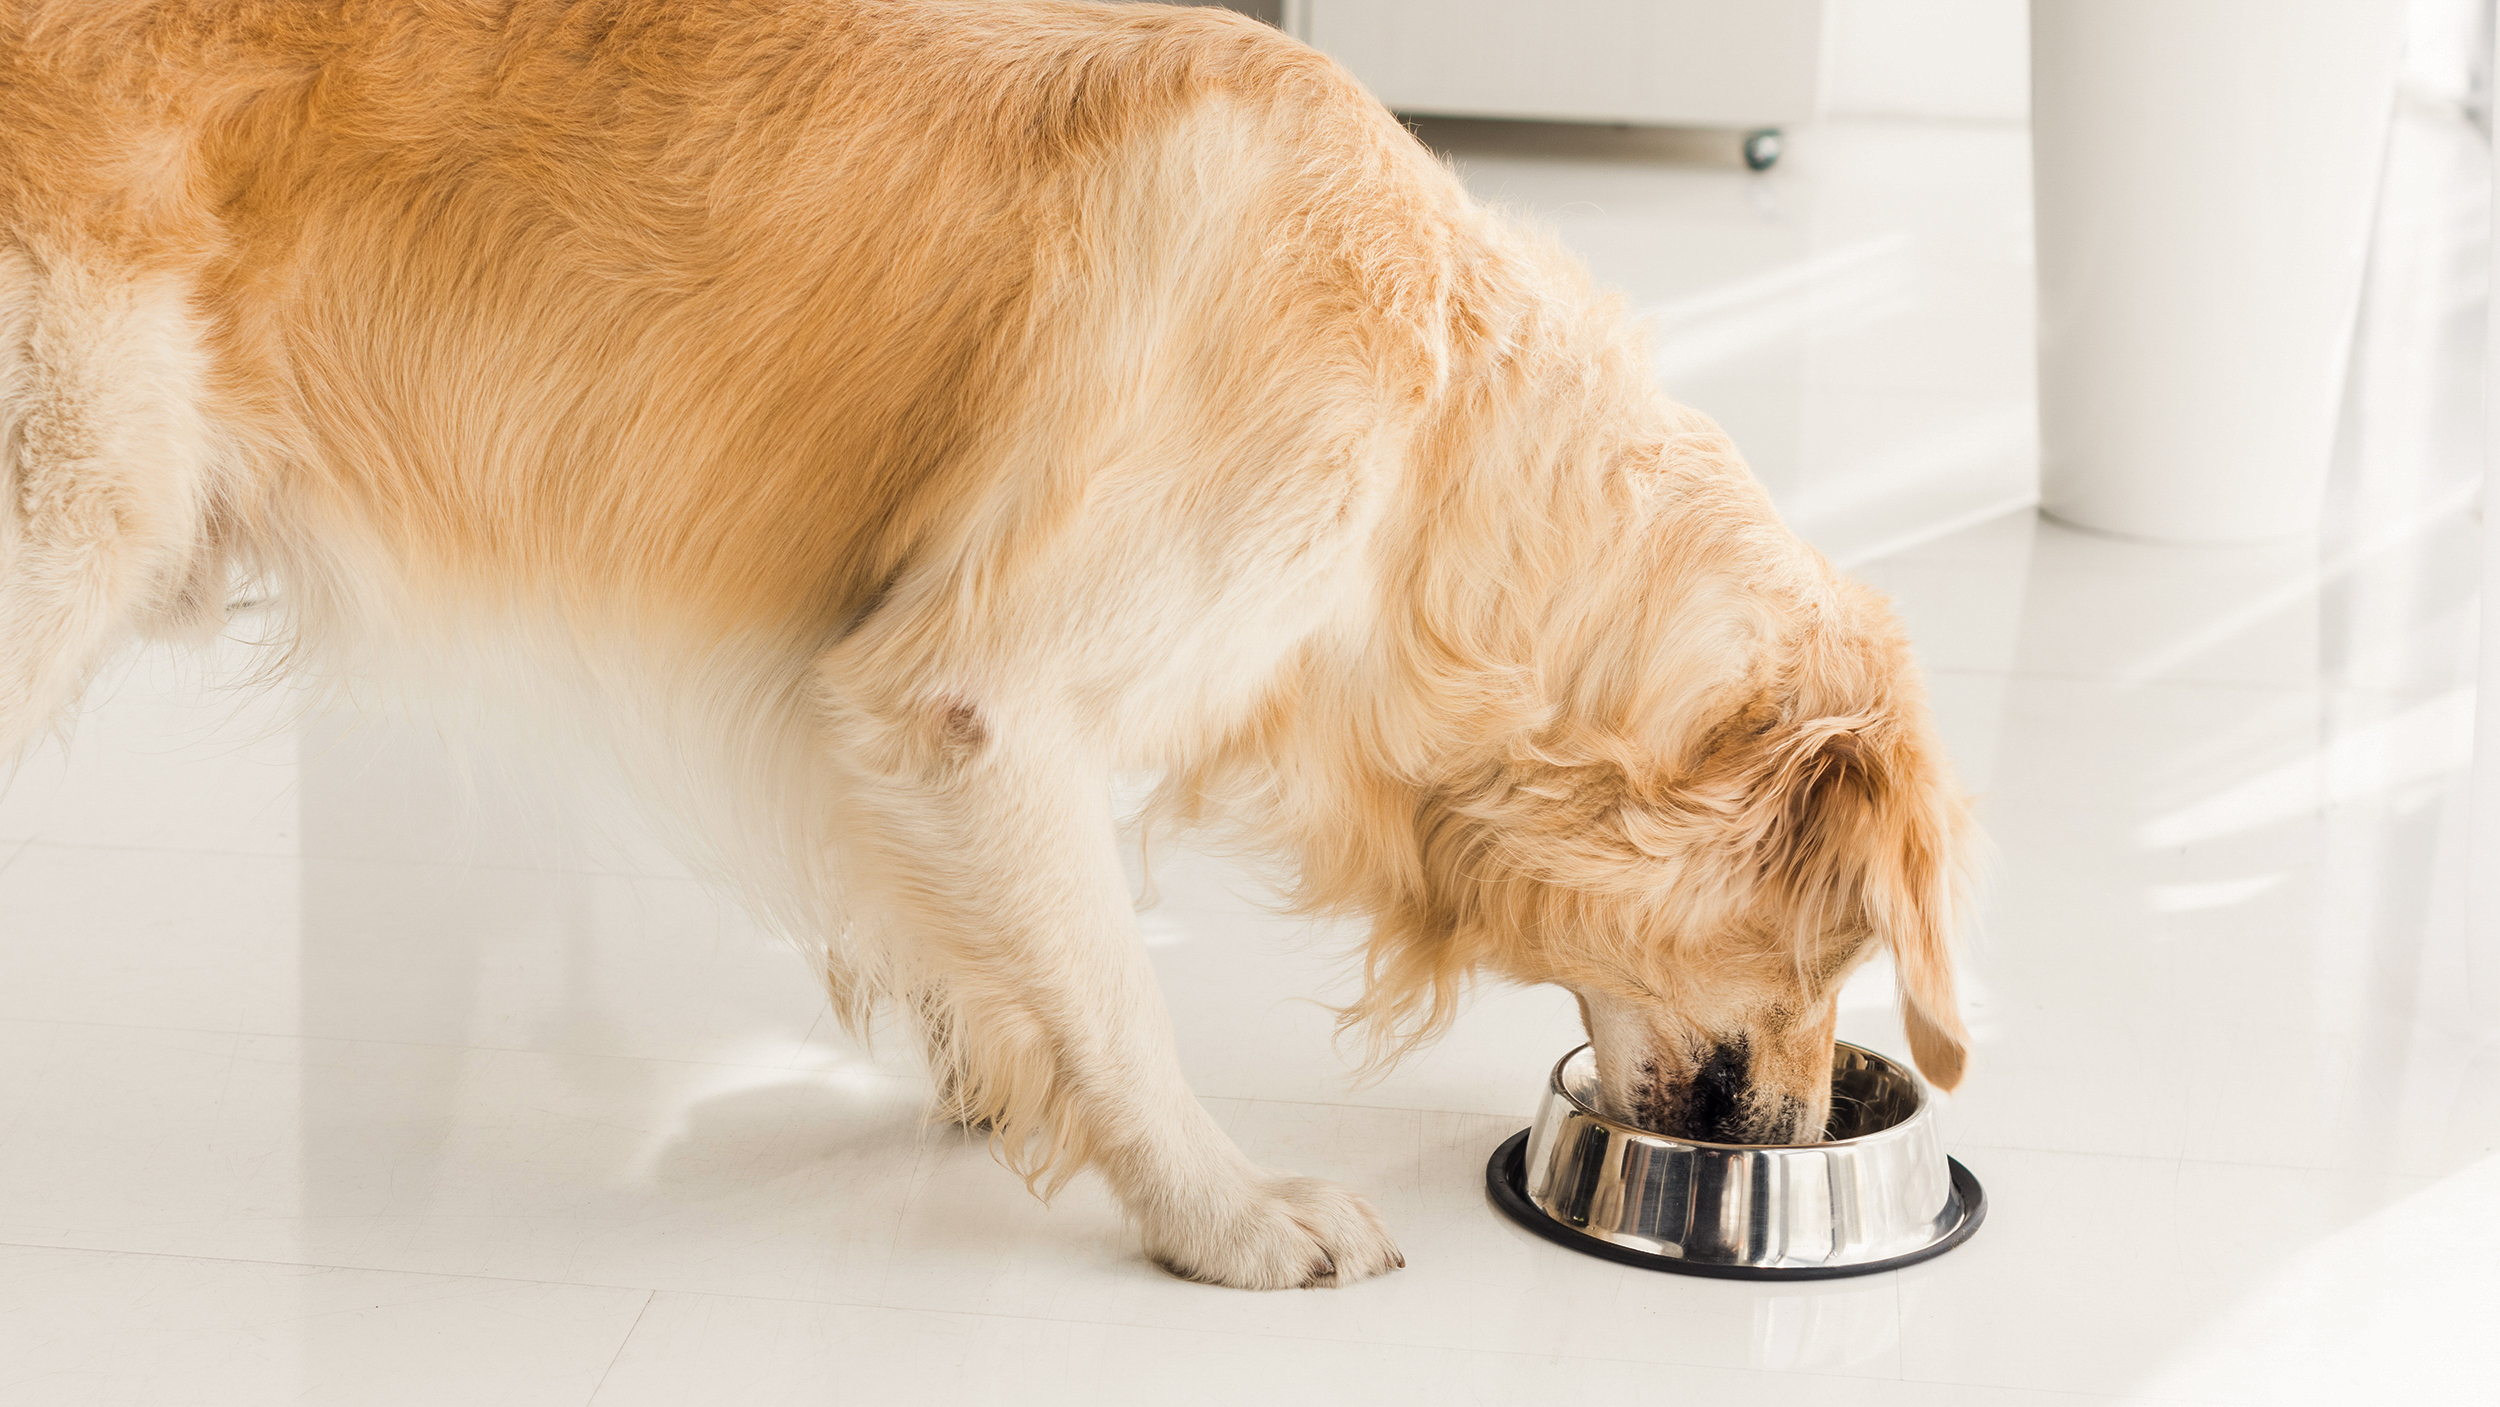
328 1075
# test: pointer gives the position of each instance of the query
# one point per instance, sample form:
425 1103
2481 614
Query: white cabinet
1675 63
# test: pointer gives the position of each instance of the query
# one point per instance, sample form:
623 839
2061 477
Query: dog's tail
108 467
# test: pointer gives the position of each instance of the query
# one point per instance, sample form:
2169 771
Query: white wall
1964 59
2448 50
2484 896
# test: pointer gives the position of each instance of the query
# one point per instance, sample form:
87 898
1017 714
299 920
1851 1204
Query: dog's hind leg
985 837
107 476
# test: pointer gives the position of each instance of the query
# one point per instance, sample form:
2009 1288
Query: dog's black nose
1710 1107
1714 1104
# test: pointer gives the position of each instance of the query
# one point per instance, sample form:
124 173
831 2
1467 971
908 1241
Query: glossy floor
334 1072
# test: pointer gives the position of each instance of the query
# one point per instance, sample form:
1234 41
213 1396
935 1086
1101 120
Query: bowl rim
1555 1086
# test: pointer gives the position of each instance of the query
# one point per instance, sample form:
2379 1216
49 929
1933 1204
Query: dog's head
1797 849
1707 900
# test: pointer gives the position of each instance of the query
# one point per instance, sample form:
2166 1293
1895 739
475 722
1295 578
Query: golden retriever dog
874 422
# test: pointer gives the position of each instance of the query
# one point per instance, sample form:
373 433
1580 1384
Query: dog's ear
1914 898
1867 809
1914 892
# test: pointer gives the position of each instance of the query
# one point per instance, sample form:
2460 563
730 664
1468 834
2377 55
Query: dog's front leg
985 835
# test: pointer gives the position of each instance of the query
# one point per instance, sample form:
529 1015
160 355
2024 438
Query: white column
2205 173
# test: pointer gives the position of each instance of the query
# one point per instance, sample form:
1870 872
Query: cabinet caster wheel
1762 149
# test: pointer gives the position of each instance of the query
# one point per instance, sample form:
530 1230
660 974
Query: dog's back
719 316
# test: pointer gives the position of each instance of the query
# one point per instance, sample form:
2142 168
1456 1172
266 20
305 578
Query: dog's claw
1291 1232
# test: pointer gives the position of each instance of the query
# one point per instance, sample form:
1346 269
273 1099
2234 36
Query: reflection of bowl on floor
1877 1194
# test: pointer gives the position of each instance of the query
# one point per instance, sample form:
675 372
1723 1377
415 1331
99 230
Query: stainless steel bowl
1877 1194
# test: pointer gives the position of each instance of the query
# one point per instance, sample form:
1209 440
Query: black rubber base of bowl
1503 1179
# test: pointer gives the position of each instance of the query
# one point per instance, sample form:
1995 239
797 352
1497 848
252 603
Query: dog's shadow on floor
856 1159
848 1134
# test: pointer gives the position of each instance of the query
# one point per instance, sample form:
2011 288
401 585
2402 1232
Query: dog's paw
1283 1233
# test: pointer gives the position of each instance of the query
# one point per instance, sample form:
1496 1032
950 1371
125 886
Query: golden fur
876 421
